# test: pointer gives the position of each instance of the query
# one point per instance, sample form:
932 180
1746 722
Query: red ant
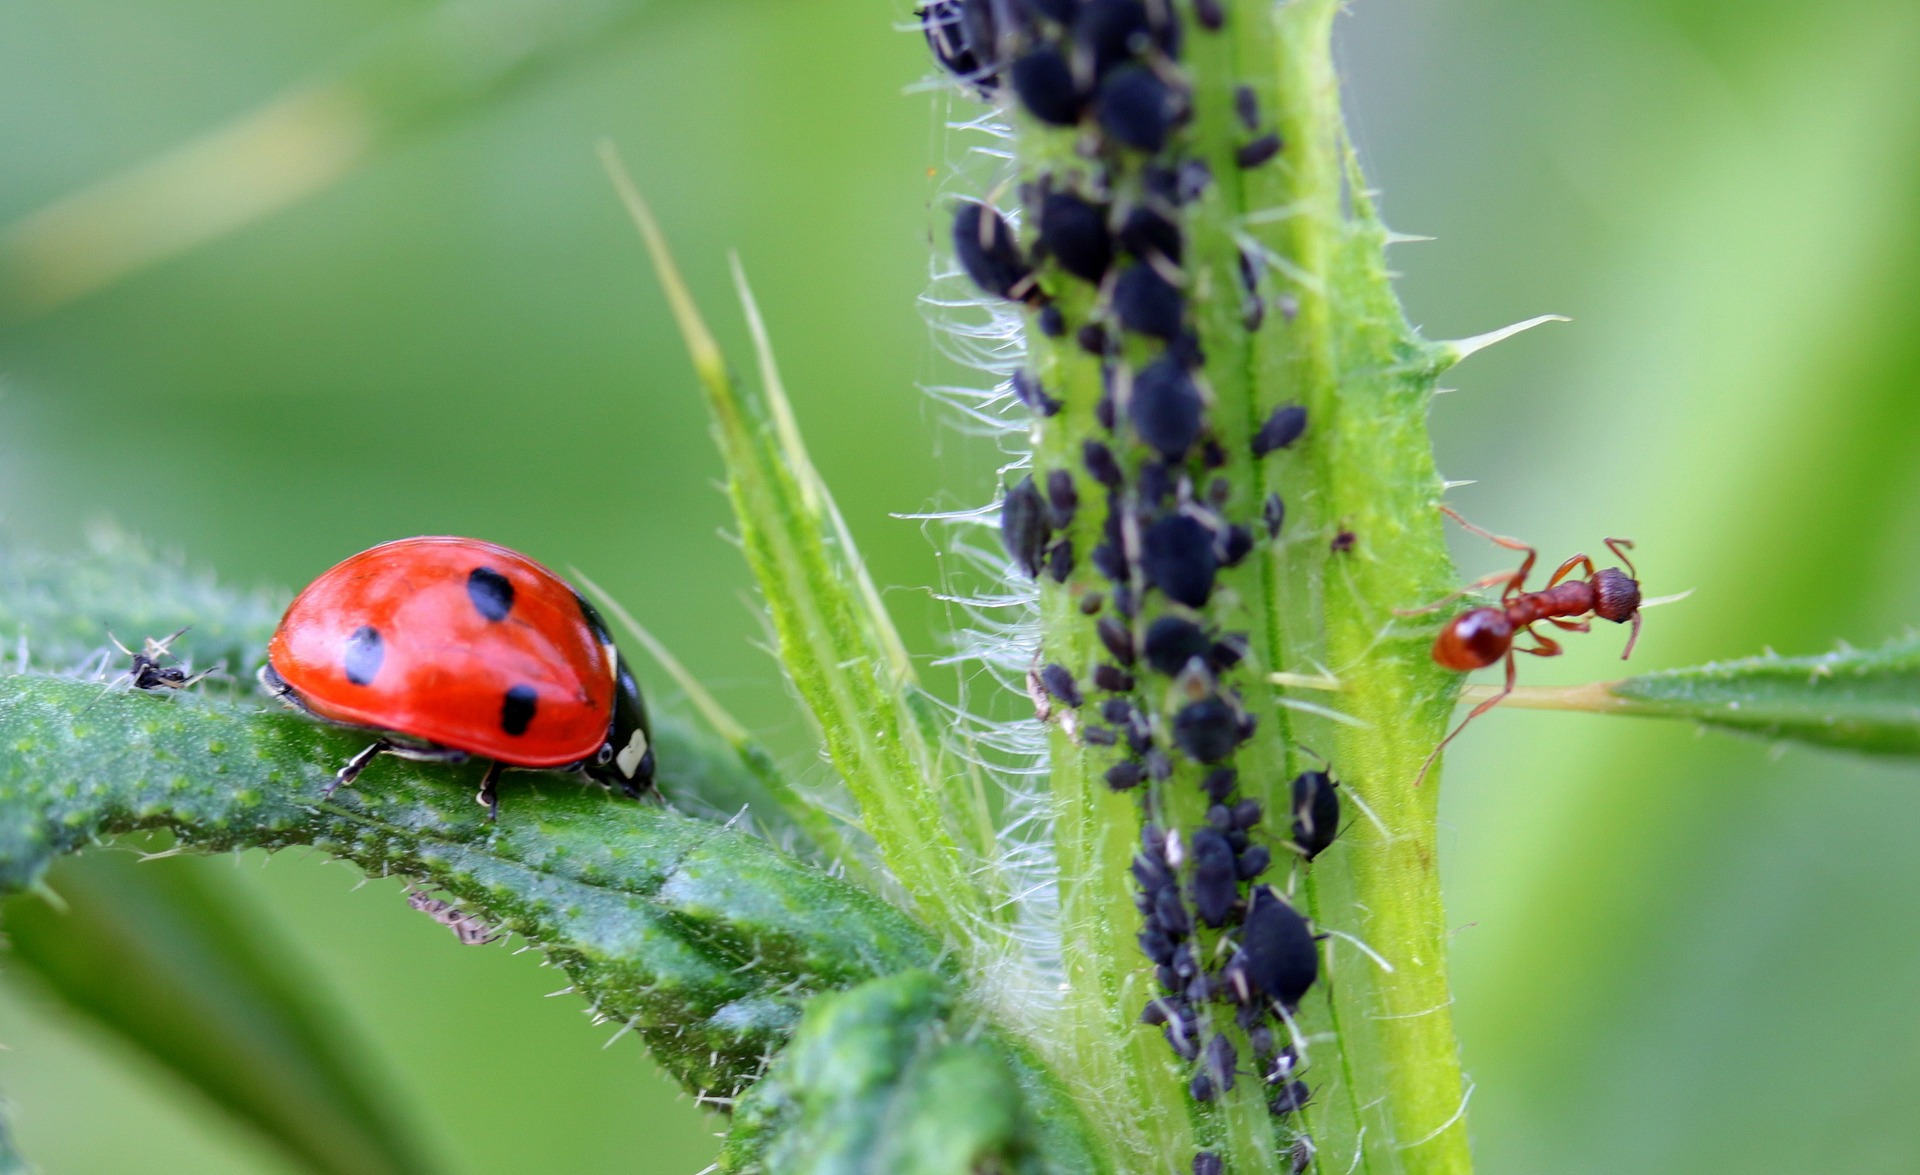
1480 636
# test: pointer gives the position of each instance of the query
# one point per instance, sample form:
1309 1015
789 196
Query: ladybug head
626 759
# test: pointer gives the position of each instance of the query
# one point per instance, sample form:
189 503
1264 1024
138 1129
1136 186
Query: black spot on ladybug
517 708
1165 408
1216 880
984 245
491 593
1075 232
363 655
1282 428
1259 151
1213 17
1278 956
1100 463
1246 104
1146 234
1146 302
1177 557
1137 108
1207 730
1316 812
591 615
1061 685
1274 514
1045 85
1172 642
1023 526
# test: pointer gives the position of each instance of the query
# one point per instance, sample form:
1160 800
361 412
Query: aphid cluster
1107 235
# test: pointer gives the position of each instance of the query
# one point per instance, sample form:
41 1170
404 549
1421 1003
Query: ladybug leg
354 766
489 795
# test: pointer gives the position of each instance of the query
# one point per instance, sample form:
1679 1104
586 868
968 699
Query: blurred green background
1674 953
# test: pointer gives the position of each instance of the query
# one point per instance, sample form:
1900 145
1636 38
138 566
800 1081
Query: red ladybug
453 647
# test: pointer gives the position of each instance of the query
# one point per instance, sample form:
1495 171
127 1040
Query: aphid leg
1482 708
1565 569
1620 547
354 766
489 794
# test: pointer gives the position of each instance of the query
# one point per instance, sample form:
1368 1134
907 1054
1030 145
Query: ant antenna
1620 547
1633 636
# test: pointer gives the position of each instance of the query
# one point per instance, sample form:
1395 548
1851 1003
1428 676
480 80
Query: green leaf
884 1078
1852 699
701 939
187 975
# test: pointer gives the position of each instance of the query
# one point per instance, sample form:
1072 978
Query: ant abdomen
1474 639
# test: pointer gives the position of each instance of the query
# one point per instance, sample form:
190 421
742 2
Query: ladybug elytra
452 647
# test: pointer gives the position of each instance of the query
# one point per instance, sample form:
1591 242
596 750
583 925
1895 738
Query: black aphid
1155 1013
1282 428
1211 454
983 242
1023 526
1092 338
1112 678
1026 389
1236 543
1046 86
1063 498
1260 1040
940 21
1147 234
1146 302
1222 1060
1152 874
1219 784
1118 711
1259 151
1219 491
1278 956
1301 1156
1207 730
1246 104
1177 557
1216 879
1254 861
980 24
1118 639
1253 312
1100 464
1294 1096
1099 736
1155 483
1172 642
1212 14
1103 410
1273 512
1228 651
1165 407
1249 272
1200 1089
1060 561
1124 776
1192 181
1183 1039
1171 914
1091 603
1062 11
1246 814
1075 232
1111 31
1108 561
1316 812
1052 322
1155 944
1159 767
1208 1163
1137 108
1061 685
1124 601
1343 542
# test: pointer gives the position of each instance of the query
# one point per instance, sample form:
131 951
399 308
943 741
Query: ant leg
354 766
1482 708
1517 582
1571 625
1485 581
1545 646
1580 561
1633 638
1620 547
489 794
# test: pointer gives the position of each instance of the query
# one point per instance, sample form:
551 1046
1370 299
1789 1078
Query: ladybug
452 647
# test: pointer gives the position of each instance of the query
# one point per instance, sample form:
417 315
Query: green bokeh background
1674 953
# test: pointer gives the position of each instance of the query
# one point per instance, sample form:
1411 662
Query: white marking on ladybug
630 755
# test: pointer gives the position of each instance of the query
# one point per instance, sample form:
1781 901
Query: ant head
1474 639
1616 596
